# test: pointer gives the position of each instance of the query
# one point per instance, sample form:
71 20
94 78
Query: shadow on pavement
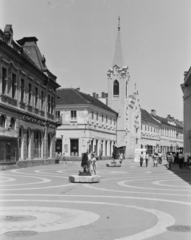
184 173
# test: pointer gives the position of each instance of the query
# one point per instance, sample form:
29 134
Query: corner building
27 103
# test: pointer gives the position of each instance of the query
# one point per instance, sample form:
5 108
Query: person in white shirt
141 159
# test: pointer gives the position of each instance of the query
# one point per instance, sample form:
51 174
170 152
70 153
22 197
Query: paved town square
130 202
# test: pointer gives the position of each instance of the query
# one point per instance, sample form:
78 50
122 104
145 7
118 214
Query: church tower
119 100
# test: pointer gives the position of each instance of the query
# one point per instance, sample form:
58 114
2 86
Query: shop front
8 150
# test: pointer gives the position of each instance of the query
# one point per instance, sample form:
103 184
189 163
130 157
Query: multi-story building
159 133
186 89
87 124
27 102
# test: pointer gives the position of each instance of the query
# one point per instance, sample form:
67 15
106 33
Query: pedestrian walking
155 159
63 158
180 160
146 159
141 159
121 158
160 157
169 160
93 164
84 163
58 157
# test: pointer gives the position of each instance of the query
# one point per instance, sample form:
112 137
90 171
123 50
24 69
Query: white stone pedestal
113 164
84 179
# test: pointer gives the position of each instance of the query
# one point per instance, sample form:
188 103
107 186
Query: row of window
33 93
96 116
163 131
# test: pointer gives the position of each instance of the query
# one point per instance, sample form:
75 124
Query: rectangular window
48 103
42 100
73 115
4 80
92 115
14 83
22 90
111 121
145 127
106 119
141 127
52 105
97 116
102 118
36 97
30 94
57 114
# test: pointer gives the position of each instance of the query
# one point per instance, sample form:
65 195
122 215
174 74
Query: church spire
118 57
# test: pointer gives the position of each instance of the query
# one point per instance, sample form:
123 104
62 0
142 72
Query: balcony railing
30 108
42 113
59 121
9 100
22 105
50 116
36 110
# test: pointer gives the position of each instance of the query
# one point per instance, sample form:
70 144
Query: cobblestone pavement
130 203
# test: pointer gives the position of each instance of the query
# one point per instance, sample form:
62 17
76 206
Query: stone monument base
113 164
84 179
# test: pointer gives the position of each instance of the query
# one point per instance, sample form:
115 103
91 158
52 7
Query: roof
71 96
169 122
145 116
118 57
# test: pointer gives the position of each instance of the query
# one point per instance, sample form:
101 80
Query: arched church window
116 88
2 121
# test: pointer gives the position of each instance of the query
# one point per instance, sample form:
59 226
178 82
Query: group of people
89 163
170 157
61 157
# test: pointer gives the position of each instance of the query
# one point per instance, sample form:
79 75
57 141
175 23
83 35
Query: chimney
106 95
97 95
102 95
153 112
94 95
168 116
78 89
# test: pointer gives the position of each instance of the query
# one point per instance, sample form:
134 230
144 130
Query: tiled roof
145 116
71 96
169 122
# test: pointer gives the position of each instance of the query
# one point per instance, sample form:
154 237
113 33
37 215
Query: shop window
74 148
4 80
21 142
116 88
28 143
49 145
2 121
37 144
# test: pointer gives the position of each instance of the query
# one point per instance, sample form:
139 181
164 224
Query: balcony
42 113
36 110
9 100
22 105
30 108
59 121
50 116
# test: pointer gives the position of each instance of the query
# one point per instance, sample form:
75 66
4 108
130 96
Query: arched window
49 145
37 144
2 121
21 142
12 123
116 88
28 142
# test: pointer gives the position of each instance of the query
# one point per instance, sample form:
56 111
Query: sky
77 38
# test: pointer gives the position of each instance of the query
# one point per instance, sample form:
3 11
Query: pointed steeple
118 57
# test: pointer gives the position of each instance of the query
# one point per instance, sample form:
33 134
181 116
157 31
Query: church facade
127 106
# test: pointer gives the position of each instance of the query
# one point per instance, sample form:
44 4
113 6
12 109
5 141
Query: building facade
127 106
27 102
160 134
87 124
186 89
